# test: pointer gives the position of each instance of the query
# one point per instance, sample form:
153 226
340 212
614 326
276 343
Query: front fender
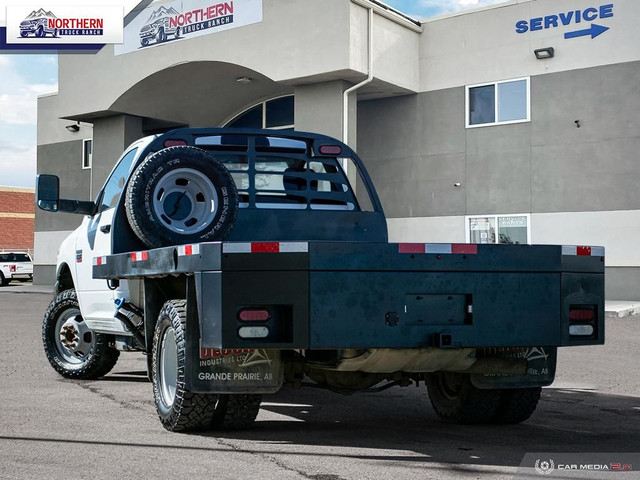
66 263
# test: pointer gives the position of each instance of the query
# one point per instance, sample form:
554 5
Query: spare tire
181 195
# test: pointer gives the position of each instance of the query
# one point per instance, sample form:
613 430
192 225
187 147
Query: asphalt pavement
52 428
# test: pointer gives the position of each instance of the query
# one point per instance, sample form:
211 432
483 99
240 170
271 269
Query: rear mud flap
541 370
213 370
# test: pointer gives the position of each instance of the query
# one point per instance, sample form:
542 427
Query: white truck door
94 240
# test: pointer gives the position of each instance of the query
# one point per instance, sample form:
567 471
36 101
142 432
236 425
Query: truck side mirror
48 192
48 197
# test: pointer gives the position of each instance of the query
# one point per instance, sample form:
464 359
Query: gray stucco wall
65 160
416 148
112 135
621 283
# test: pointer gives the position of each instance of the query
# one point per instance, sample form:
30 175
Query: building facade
467 134
17 219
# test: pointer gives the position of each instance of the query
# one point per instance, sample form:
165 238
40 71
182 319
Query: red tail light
581 314
12 268
254 315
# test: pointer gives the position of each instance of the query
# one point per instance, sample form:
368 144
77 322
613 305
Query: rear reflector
99 261
139 256
175 143
253 332
439 248
581 330
330 149
583 251
251 315
187 250
265 247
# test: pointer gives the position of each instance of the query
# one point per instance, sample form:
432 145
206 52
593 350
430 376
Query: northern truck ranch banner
59 25
164 23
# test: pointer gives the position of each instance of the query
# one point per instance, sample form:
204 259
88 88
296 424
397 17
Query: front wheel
72 349
179 409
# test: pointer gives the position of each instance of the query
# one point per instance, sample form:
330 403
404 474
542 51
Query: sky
25 76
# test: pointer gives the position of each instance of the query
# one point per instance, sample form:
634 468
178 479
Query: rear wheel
72 349
456 400
517 405
4 281
179 409
234 412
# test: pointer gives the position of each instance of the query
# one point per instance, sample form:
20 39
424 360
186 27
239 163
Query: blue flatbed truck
243 260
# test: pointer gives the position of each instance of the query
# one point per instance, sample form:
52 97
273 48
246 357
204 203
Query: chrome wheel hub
75 339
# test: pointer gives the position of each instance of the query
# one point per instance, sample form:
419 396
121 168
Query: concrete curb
14 287
619 309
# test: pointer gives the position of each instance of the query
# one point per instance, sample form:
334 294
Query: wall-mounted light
74 127
541 53
244 80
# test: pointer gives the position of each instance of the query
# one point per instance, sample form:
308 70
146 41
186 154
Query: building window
499 229
276 114
498 103
87 153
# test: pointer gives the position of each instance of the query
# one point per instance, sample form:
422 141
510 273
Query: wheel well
64 280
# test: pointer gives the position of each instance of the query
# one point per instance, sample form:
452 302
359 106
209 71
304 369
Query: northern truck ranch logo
167 22
40 23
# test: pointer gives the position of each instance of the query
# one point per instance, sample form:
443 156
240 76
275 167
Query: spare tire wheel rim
185 201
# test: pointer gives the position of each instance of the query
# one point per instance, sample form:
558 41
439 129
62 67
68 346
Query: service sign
164 23
63 25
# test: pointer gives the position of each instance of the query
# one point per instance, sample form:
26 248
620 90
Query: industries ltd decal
165 23
47 25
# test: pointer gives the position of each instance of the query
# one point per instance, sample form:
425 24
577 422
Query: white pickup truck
15 266
241 260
